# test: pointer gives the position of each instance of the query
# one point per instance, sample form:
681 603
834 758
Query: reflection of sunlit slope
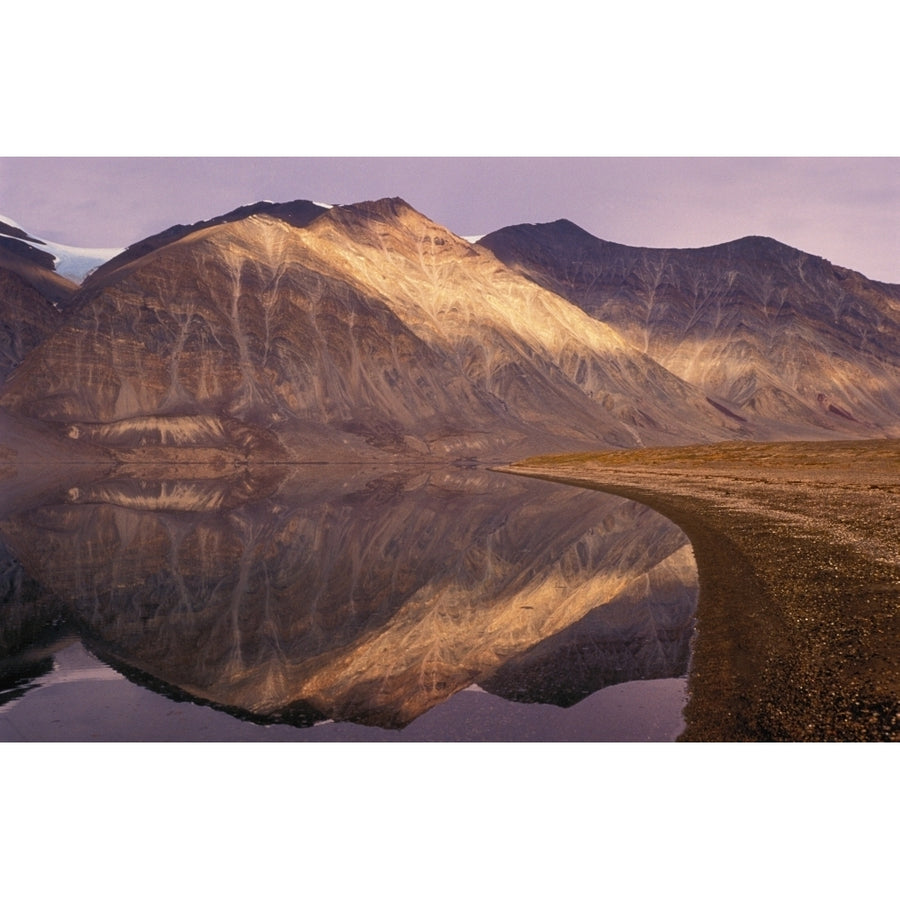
448 637
368 596
208 489
642 634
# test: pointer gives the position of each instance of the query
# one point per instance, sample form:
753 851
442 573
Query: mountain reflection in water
310 593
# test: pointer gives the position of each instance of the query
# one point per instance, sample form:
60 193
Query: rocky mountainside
297 212
68 265
301 332
297 331
783 339
26 318
38 279
29 292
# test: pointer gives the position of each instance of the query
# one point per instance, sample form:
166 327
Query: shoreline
798 554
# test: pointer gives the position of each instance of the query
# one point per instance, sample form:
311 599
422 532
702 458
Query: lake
337 603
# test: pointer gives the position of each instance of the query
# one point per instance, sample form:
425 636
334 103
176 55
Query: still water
329 603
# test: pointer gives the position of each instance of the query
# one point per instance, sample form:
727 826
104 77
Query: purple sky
845 209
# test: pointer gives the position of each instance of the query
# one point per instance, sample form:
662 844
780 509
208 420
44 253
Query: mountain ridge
750 241
760 326
294 211
70 263
296 330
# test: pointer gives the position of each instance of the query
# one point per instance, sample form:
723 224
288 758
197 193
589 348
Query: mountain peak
545 237
298 213
559 228
759 247
387 209
69 264
564 230
386 206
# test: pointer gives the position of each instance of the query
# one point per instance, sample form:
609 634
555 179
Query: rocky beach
798 552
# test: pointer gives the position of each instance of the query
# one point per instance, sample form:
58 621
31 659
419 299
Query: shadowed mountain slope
55 269
29 288
781 338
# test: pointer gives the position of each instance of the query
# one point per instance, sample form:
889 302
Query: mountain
71 264
297 331
29 290
297 212
294 331
37 280
27 316
778 337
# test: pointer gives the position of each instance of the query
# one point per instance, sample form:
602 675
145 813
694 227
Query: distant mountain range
297 331
773 334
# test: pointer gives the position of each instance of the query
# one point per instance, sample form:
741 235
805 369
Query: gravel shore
798 553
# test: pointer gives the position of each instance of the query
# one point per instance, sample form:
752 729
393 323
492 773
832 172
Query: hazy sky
845 209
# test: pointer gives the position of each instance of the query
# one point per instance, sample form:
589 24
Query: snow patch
472 238
74 263
323 205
